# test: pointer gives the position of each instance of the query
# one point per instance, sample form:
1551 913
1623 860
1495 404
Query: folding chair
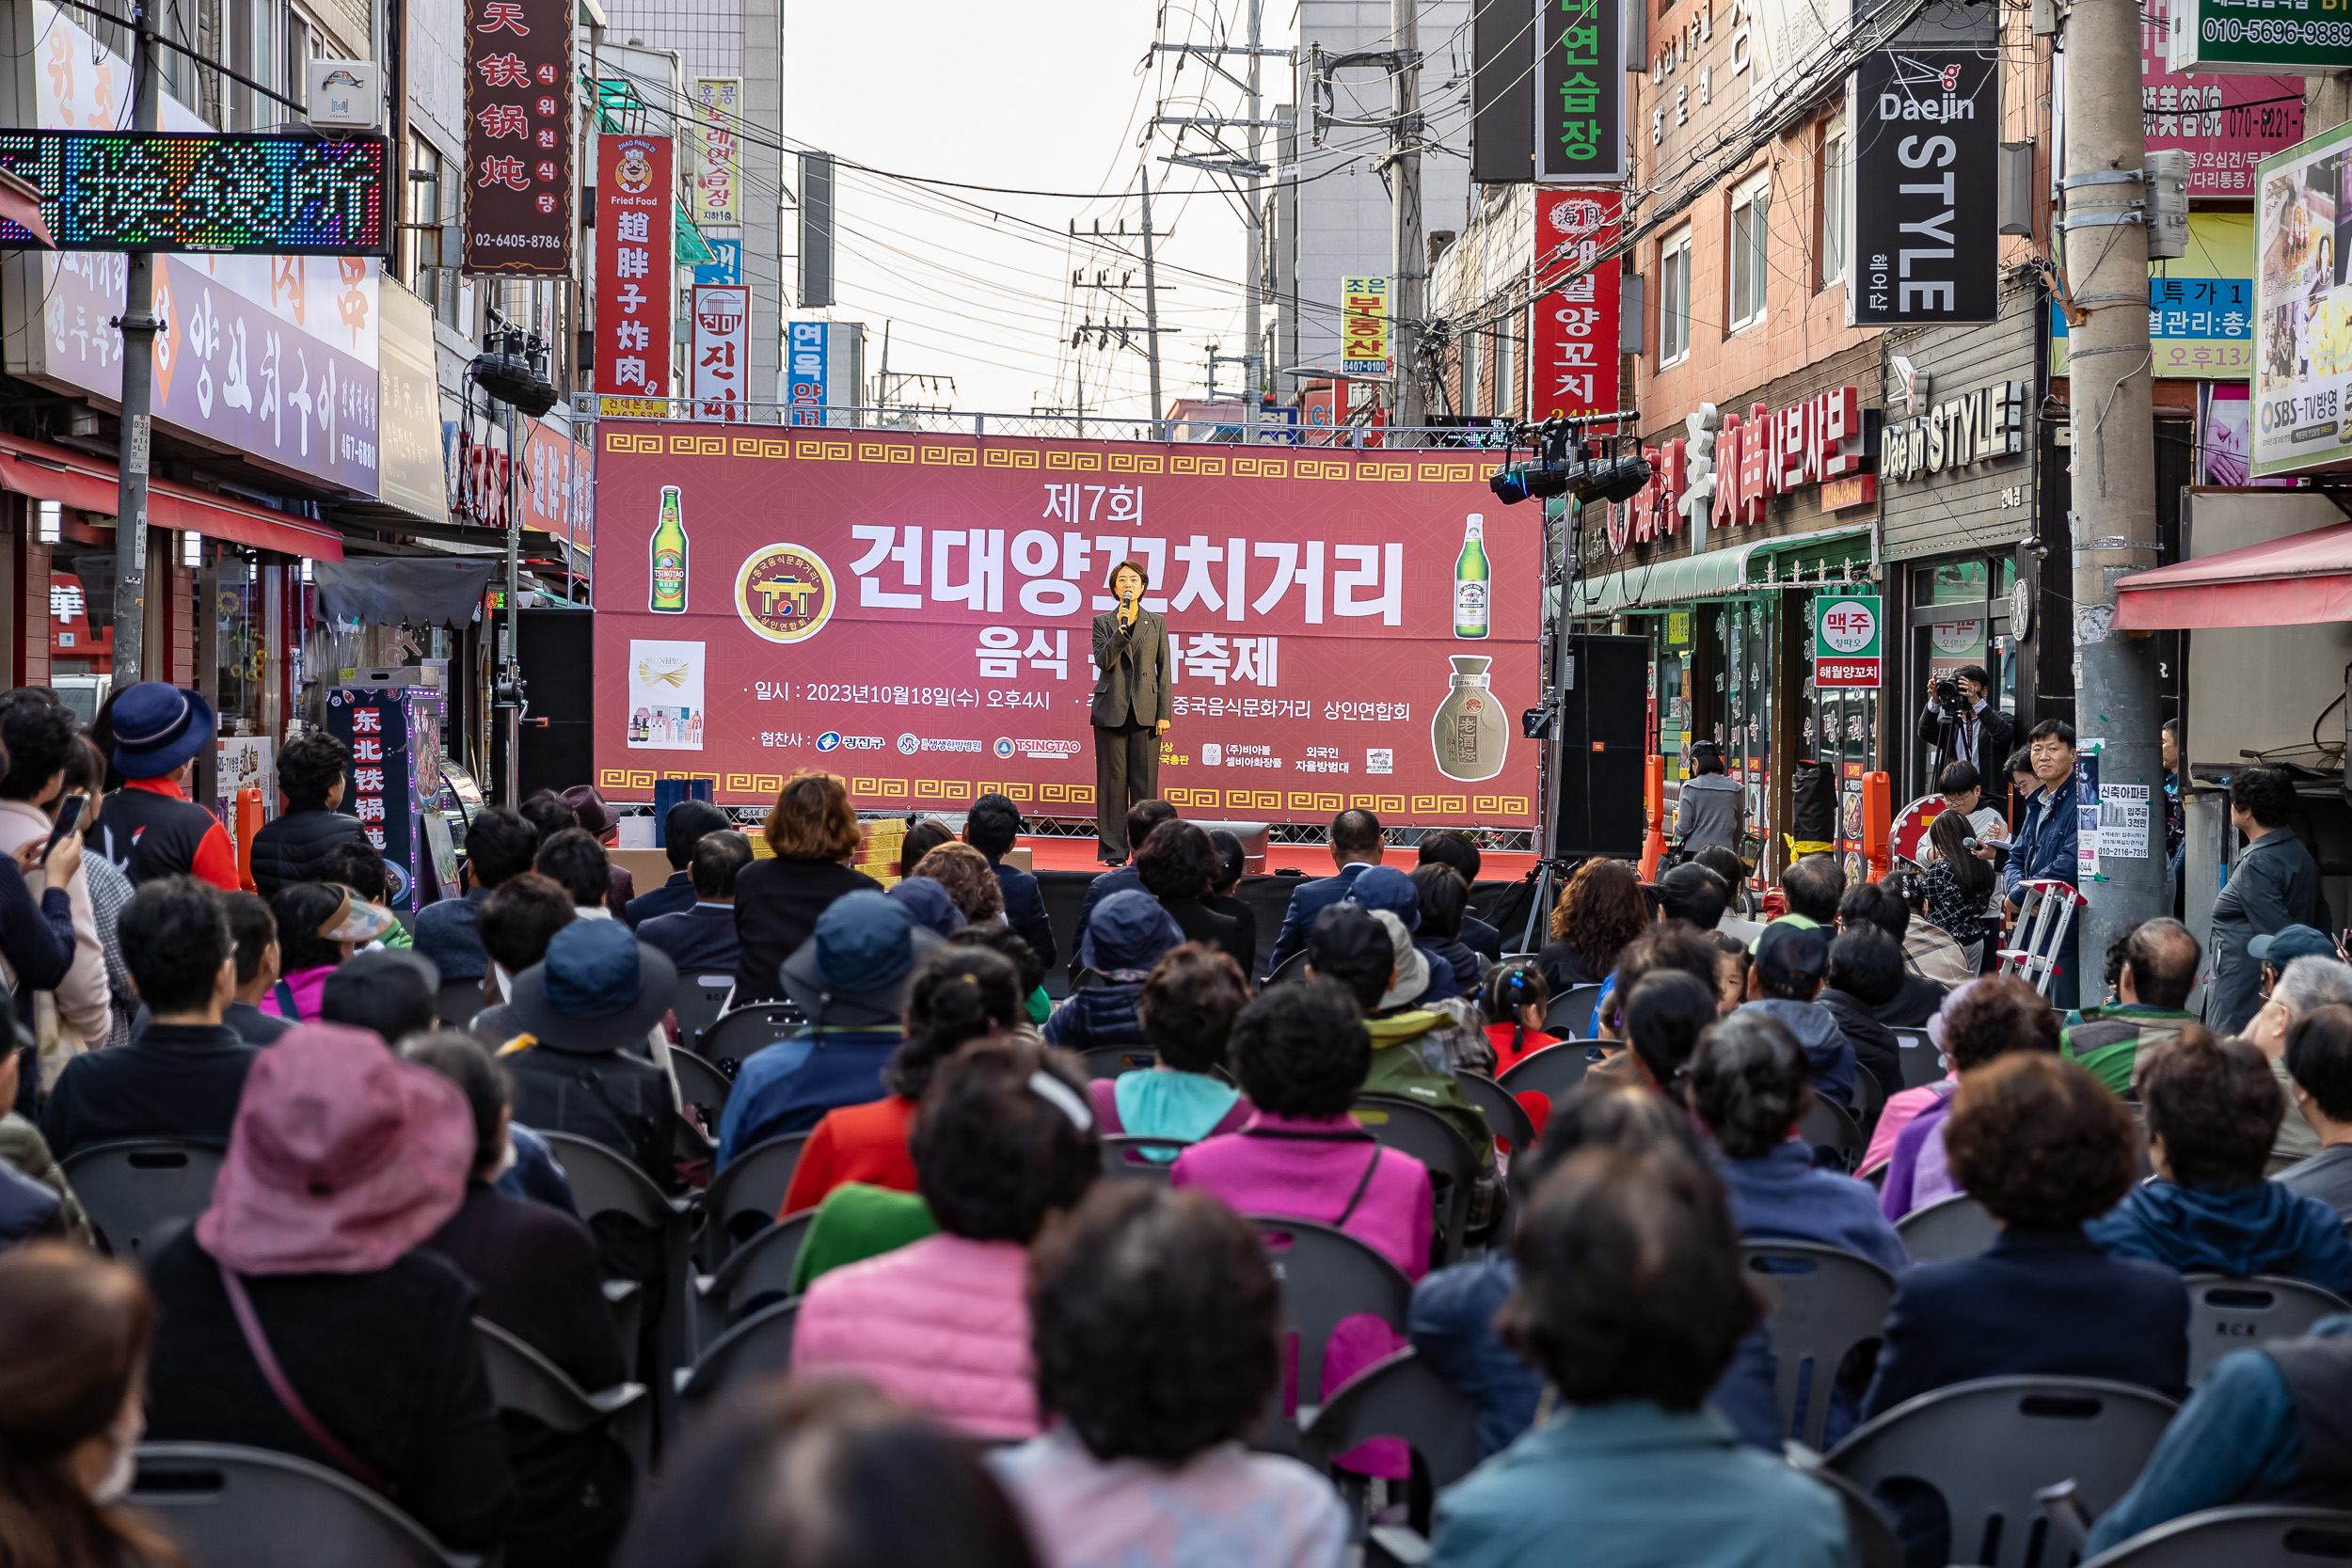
1870 1539
1552 1072
1990 1444
1326 1276
1923 1064
1506 1118
232 1506
1950 1228
1416 1130
2050 907
747 1030
1127 1157
747 1194
1869 1099
605 1182
529 1384
1109 1061
1828 1125
457 1001
757 1274
1825 1302
1570 1015
1396 1397
699 1085
2259 1535
134 1190
1293 968
760 1344
2227 1314
698 1002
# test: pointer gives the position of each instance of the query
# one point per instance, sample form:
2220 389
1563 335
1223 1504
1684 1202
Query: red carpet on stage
1078 854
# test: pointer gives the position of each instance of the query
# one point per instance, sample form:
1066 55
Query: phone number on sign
521 242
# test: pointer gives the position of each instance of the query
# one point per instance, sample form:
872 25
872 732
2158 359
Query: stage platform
1078 854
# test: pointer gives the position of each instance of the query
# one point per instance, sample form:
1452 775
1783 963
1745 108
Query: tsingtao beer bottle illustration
668 594
1472 584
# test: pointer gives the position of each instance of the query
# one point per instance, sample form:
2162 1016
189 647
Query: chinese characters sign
918 618
1846 642
1580 97
1575 363
723 337
395 736
1364 326
1927 239
718 188
2230 123
635 215
168 191
518 137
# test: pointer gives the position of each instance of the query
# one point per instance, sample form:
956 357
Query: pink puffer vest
941 1326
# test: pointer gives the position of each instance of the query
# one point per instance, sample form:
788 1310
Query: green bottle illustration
1471 581
668 594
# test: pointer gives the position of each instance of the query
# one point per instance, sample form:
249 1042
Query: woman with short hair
1187 1008
814 831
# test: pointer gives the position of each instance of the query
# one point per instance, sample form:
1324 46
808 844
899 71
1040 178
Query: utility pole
1152 305
1408 294
2114 520
138 325
1253 362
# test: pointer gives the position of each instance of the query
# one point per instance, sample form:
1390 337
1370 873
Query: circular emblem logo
784 593
908 745
634 171
829 741
1003 747
1848 627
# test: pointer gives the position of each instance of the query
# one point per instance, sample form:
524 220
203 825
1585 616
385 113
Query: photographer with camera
1961 722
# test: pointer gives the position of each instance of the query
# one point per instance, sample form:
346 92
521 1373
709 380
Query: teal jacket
1634 1485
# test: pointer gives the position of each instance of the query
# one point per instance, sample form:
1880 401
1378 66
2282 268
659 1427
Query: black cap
1346 939
1788 955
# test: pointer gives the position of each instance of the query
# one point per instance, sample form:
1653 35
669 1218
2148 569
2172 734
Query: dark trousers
1126 770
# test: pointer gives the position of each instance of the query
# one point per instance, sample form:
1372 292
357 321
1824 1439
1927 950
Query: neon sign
180 191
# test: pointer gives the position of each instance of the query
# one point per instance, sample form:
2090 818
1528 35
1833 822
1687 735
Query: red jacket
855 1143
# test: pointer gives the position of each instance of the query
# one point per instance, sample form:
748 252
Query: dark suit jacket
1245 920
1307 902
776 905
1202 924
1134 678
700 939
669 898
2041 1302
1024 911
1482 938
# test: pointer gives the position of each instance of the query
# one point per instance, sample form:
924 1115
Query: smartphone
69 817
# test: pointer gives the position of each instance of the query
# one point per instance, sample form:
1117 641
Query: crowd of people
1004 1354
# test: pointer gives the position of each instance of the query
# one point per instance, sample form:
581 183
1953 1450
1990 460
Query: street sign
519 116
1364 326
2256 38
176 191
1846 642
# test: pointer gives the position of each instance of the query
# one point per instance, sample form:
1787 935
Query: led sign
180 191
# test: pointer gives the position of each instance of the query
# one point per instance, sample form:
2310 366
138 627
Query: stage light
1615 478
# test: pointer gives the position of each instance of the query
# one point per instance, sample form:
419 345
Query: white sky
1042 95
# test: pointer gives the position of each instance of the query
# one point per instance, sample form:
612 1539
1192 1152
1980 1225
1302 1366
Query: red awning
89 485
2301 580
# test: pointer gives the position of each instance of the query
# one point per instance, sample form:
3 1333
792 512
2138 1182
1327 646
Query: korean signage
2200 303
1364 326
726 266
719 166
2228 123
410 416
1773 451
518 137
1846 642
2307 38
807 351
1958 433
1580 93
919 620
1927 147
2302 306
721 350
635 217
1575 361
175 191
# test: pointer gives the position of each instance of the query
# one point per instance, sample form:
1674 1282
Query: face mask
126 1437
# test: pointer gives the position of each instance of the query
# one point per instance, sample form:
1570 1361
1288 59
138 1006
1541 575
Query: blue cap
599 989
1128 934
2290 943
926 902
1384 887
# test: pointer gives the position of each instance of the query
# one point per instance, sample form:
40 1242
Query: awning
1696 577
90 485
2299 580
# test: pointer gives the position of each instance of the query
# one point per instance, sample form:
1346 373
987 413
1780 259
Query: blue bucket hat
157 728
1384 887
1129 933
2284 945
855 965
926 902
599 989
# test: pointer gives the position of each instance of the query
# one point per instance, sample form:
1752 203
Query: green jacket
22 1146
857 1222
2108 1040
1409 1061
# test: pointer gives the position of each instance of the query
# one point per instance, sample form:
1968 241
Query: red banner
636 212
2230 123
916 612
1575 362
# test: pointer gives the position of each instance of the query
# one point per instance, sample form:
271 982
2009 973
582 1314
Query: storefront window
1950 583
1746 685
1672 692
244 658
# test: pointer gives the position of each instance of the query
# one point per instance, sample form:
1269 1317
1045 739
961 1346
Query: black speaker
559 672
1603 729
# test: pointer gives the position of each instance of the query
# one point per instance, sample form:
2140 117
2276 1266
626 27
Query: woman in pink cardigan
1003 1138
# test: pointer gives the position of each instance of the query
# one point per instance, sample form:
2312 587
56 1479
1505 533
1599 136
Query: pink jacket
1303 1168
941 1326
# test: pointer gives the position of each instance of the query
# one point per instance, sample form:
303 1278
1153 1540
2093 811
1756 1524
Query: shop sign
721 349
1580 94
1575 363
1773 451
808 353
1846 641
2227 124
1927 138
1959 433
2201 305
1859 490
635 267
2302 308
718 180
2259 37
1364 326
518 137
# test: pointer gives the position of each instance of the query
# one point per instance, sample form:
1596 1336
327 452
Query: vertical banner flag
518 137
1575 362
1847 650
1927 148
808 348
635 217
722 338
1364 326
718 173
1580 94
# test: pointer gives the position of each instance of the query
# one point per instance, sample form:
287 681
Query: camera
1948 695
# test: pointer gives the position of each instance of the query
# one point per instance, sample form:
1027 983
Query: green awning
1731 570
690 248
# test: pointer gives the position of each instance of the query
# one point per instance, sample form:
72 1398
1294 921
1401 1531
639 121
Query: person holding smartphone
43 738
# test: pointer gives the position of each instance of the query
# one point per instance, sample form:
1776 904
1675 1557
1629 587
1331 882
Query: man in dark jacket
292 848
990 829
2274 884
701 938
1973 731
1450 847
1356 844
588 1008
500 844
2045 846
180 1077
1866 970
1790 961
684 828
1146 815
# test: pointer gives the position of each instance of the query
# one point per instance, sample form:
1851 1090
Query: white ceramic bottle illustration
1471 734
